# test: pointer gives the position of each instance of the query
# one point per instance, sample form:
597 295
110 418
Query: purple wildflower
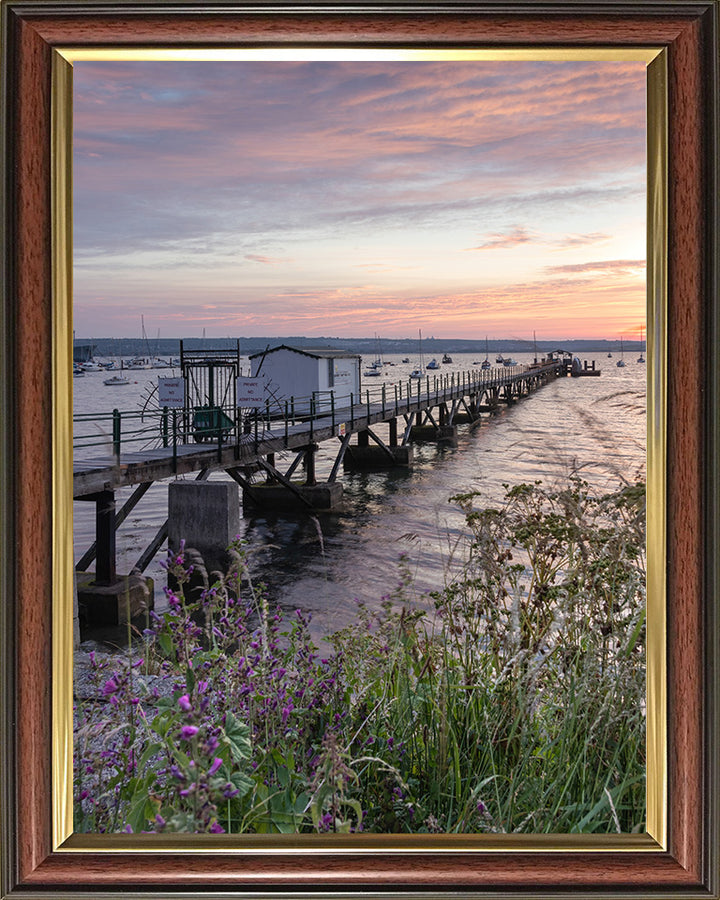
110 687
184 703
216 763
188 731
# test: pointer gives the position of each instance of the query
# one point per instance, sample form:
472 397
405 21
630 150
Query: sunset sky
353 198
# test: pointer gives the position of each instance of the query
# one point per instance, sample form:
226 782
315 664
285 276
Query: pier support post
393 435
103 597
271 461
105 572
309 462
206 515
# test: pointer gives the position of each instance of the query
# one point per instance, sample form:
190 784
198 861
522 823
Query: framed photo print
377 254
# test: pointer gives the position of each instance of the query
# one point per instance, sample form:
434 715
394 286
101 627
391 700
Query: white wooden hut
292 372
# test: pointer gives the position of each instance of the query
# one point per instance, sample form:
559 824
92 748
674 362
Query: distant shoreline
103 346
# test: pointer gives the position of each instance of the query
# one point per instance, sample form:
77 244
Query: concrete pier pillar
447 436
128 597
206 515
324 495
376 458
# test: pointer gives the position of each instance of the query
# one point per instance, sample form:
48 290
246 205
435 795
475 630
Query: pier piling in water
206 515
256 441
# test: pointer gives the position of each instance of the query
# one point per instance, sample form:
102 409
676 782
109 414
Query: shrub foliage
512 700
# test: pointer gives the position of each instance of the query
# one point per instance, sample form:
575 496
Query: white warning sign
250 392
171 393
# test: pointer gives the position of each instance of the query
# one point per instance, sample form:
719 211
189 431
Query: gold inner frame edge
655 837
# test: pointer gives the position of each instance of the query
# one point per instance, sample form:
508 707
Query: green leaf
237 737
166 645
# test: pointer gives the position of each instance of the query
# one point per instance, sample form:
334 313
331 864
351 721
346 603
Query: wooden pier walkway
147 448
462 397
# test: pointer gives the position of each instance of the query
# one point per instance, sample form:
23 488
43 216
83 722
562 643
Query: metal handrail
243 424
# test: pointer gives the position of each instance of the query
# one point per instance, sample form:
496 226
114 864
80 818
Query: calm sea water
324 564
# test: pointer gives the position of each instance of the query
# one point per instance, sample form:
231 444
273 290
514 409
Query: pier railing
135 430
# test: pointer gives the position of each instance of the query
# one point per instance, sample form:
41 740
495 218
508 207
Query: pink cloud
580 240
611 266
517 236
267 260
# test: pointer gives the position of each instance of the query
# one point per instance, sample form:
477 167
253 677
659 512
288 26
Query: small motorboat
433 364
116 380
446 358
405 359
138 362
417 373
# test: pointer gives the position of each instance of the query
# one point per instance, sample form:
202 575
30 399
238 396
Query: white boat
417 372
138 362
91 366
510 361
621 362
433 364
116 380
486 362
372 372
377 363
641 358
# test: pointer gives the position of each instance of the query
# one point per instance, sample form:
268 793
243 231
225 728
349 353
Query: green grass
516 706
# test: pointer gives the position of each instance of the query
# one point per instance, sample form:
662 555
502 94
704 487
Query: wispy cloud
280 180
607 266
581 240
517 235
266 260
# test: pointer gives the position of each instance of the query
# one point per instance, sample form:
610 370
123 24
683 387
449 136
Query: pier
143 447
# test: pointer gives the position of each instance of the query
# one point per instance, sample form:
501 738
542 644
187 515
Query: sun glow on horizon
465 198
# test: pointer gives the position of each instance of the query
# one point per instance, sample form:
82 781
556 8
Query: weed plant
516 705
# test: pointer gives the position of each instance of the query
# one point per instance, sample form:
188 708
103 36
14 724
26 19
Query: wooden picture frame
685 862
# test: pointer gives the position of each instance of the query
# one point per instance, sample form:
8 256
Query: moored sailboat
621 362
417 372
